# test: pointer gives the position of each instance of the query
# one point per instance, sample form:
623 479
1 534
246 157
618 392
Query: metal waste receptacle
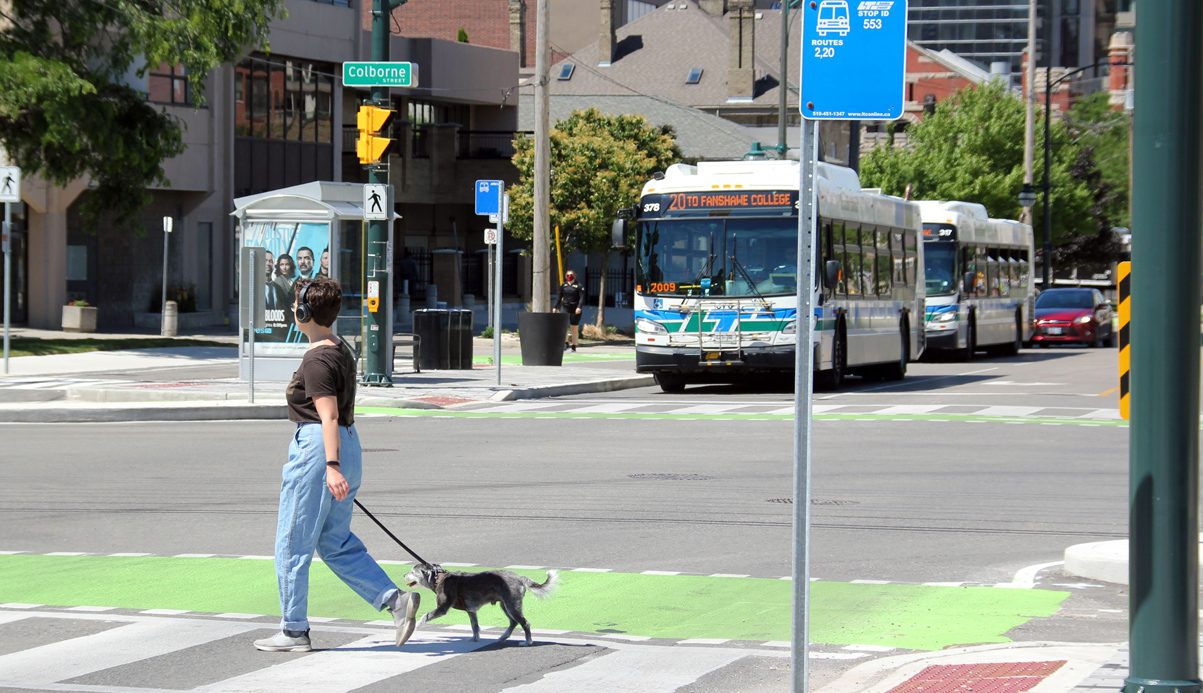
433 327
460 339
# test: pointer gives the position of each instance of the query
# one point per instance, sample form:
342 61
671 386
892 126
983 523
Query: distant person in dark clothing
572 297
407 271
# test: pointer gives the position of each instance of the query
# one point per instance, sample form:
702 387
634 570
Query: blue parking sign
488 196
853 59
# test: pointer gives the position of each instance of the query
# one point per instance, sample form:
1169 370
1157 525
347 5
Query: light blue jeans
310 519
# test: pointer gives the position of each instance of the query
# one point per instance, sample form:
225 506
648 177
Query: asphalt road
898 500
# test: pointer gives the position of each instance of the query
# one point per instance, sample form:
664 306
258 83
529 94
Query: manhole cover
671 477
814 501
378 450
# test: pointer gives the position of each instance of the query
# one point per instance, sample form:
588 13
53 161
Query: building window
290 99
566 71
695 76
168 84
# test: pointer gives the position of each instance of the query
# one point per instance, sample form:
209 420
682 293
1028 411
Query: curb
127 414
575 388
1106 561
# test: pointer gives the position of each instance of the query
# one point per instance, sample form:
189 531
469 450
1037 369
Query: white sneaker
283 642
405 610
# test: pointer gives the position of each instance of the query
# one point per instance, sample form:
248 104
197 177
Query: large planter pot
542 338
79 318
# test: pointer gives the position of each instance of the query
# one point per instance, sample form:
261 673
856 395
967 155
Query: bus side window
884 263
865 285
912 257
827 254
851 261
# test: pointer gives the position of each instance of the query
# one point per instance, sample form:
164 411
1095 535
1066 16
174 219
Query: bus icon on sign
833 16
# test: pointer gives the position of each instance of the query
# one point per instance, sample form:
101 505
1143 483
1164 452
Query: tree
599 165
66 110
462 35
1095 125
971 149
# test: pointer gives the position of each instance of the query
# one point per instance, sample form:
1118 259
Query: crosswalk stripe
635 670
140 640
909 409
706 409
10 616
516 407
1007 411
615 408
358 664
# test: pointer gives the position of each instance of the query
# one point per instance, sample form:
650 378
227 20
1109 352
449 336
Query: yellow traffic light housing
374 144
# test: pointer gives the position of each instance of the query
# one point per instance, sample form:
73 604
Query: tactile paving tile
1002 677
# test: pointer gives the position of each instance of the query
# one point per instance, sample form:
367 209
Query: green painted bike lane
660 606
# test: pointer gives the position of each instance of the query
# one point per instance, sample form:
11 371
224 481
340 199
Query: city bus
716 275
979 286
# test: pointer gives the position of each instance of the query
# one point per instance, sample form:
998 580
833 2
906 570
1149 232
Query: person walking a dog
320 480
572 296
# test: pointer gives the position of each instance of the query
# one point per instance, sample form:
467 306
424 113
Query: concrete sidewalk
118 385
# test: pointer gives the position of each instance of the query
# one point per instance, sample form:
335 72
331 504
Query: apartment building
273 120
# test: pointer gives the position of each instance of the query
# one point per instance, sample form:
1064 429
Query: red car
1079 316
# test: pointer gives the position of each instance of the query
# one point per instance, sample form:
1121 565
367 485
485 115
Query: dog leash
391 535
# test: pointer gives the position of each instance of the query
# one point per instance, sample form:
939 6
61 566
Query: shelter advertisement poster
295 250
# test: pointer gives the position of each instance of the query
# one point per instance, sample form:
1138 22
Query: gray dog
470 591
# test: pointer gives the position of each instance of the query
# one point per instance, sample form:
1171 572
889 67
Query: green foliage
66 111
1106 132
971 149
487 333
462 35
599 164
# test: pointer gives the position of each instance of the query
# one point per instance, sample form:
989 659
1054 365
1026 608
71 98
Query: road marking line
18 605
1008 411
870 582
729 575
1109 392
195 555
869 648
837 655
704 641
67 553
90 609
624 636
636 669
592 570
238 616
525 567
128 555
659 572
943 584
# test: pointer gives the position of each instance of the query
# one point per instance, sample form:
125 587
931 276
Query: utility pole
377 338
1029 123
1167 212
540 288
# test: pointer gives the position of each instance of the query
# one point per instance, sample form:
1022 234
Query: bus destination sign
672 203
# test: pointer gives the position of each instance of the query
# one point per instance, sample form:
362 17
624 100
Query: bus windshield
717 256
940 262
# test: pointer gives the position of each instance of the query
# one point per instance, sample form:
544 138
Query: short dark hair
325 298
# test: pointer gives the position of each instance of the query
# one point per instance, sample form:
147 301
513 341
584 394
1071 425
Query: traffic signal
374 142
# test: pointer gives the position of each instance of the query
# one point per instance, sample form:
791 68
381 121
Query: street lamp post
783 88
1046 264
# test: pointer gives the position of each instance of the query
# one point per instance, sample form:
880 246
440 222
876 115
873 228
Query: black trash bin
460 339
433 327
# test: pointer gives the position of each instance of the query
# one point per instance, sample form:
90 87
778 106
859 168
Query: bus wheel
834 378
1013 348
670 382
897 371
970 340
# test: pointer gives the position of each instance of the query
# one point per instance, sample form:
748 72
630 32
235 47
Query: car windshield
1065 299
715 256
939 260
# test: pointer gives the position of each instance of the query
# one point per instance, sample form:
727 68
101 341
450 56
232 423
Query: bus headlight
645 325
790 328
948 316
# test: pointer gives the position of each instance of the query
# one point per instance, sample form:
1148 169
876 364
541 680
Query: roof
316 200
656 52
698 134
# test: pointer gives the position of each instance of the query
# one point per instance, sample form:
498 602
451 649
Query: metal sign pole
8 282
501 219
803 391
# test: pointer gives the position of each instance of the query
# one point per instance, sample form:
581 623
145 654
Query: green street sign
373 74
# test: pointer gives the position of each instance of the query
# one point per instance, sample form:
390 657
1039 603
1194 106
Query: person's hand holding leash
336 483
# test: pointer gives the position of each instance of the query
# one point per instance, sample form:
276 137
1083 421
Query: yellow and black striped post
1124 282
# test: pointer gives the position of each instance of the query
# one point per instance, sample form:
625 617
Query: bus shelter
310 230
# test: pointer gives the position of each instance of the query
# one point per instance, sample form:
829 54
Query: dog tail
549 585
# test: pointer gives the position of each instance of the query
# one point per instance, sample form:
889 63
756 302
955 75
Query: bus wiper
709 263
738 266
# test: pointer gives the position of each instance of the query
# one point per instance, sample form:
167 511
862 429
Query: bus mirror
970 282
619 233
831 275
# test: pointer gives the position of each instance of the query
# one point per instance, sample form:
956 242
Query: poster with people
294 251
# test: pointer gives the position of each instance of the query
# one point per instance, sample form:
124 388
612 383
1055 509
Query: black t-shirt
572 295
326 370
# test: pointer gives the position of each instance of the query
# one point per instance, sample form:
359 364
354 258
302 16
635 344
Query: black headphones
304 312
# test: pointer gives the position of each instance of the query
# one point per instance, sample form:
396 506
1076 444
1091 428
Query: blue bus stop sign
488 196
853 59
